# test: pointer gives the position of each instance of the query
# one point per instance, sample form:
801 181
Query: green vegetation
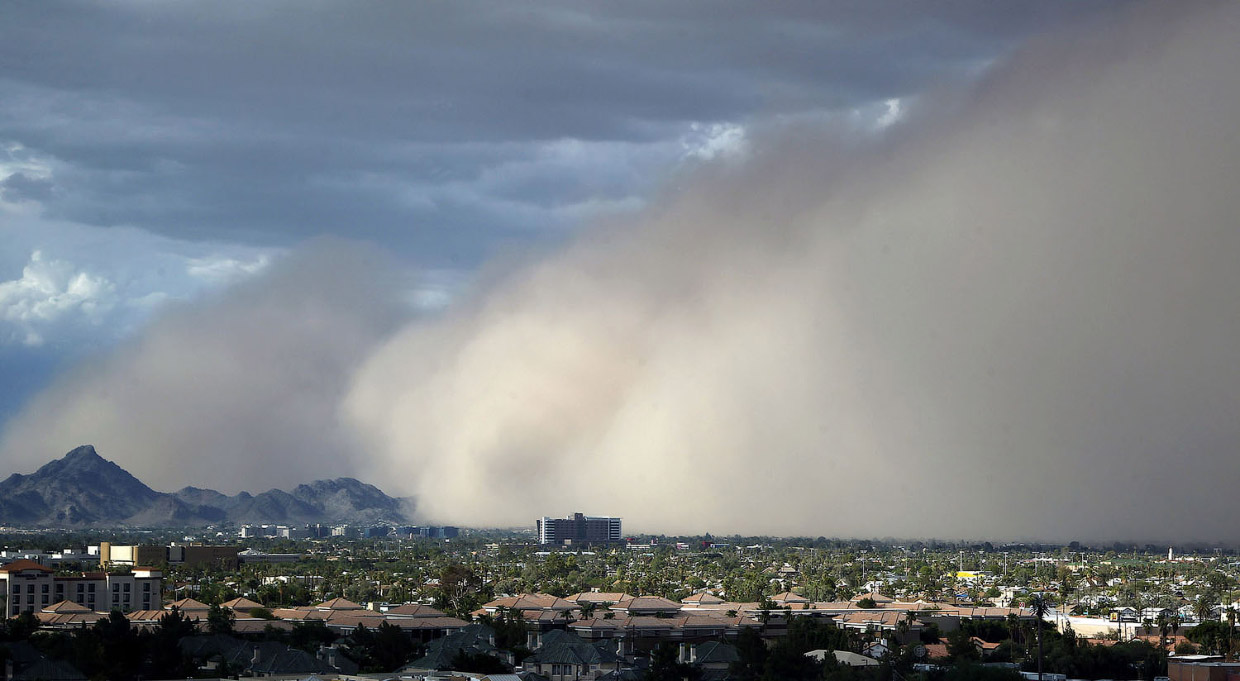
459 576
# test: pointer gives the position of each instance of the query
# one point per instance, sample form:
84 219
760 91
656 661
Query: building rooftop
24 564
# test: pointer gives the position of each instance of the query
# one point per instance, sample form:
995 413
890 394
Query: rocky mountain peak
83 488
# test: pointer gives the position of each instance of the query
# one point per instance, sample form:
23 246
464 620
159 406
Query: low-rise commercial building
222 557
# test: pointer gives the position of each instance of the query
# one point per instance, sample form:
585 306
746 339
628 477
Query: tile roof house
28 664
268 658
878 598
704 598
189 605
647 605
986 648
413 610
64 607
68 620
23 565
338 604
566 656
598 597
529 602
874 620
844 657
789 598
709 655
475 639
47 669
244 605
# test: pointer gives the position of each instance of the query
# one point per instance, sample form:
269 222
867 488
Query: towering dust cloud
1020 323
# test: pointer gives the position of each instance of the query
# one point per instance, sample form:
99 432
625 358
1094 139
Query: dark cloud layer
268 123
448 134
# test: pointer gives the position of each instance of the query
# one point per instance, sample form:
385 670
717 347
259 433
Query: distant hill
84 489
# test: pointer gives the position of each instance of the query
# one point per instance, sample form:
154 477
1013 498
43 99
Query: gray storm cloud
1017 316
1019 322
238 391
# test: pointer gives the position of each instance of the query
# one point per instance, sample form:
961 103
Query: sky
844 269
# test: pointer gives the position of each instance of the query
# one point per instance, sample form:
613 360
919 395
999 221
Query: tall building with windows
30 587
578 529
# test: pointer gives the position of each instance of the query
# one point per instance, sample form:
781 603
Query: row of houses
420 622
562 655
635 624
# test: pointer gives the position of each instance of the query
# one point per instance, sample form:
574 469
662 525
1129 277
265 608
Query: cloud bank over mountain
239 390
1011 315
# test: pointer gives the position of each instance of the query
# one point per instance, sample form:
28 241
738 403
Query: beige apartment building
30 587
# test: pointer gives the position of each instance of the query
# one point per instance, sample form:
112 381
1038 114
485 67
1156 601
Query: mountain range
83 489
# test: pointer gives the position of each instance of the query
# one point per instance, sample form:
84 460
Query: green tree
960 647
122 651
20 628
166 660
751 654
459 591
1231 630
392 648
976 672
479 663
309 636
1211 635
220 620
1164 627
1204 607
510 632
665 665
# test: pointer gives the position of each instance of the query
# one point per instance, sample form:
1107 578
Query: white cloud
48 292
18 165
891 116
707 142
75 288
217 269
433 290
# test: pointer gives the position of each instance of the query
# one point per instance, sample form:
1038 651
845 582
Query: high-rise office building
578 529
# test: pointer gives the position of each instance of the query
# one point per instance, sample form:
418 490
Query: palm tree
1164 628
1014 628
903 625
1231 628
1039 607
1204 608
